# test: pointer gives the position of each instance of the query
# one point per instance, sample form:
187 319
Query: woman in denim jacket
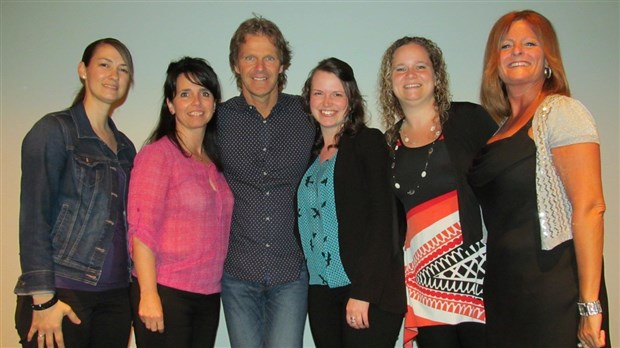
73 249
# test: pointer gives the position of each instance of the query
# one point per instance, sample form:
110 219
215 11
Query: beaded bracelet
44 305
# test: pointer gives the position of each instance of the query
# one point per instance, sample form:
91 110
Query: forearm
588 240
145 265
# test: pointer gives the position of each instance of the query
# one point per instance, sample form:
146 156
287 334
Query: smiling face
258 66
192 106
521 60
329 103
107 77
413 80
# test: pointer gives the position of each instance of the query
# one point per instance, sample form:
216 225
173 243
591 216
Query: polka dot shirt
264 160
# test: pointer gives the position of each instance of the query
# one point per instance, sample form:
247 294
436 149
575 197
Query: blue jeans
259 316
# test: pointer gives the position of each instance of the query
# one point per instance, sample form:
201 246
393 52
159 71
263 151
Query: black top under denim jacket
67 197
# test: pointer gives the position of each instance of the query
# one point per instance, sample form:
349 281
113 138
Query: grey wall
42 42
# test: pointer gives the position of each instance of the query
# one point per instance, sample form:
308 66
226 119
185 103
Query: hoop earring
548 72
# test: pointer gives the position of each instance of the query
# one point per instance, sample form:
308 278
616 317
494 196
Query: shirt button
264 149
267 245
267 193
264 121
267 218
264 173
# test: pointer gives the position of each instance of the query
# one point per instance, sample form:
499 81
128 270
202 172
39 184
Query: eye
249 58
317 93
105 65
206 94
270 59
183 94
420 67
400 68
124 70
531 44
338 94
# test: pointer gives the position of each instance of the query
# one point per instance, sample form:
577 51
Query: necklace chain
424 172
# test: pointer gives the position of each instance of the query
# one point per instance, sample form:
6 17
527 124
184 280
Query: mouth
107 85
259 78
518 64
413 85
196 113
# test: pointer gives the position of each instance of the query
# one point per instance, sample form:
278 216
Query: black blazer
366 231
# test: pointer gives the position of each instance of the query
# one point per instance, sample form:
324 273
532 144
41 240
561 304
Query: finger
60 339
160 325
40 340
73 317
30 334
49 340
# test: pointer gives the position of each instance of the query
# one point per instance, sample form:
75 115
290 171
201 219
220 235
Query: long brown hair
493 94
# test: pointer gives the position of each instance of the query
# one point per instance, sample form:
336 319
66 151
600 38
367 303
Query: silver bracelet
587 309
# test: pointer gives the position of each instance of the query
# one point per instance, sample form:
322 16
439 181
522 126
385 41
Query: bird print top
318 225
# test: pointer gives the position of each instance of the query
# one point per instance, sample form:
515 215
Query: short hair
199 72
493 94
260 26
355 120
87 56
391 109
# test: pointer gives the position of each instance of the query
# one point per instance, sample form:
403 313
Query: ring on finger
41 335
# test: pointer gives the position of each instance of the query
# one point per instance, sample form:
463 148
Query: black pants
463 335
327 315
105 316
190 319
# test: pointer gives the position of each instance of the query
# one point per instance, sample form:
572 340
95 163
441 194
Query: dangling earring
548 72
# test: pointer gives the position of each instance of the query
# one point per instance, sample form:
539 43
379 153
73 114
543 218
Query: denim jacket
68 202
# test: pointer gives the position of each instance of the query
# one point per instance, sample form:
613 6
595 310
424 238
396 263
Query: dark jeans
105 316
327 314
190 319
463 335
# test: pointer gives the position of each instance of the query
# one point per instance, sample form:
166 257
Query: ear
170 106
281 69
237 69
82 70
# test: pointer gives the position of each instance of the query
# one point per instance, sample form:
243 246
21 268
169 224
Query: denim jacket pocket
89 171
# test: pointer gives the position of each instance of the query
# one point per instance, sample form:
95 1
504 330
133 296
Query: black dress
530 294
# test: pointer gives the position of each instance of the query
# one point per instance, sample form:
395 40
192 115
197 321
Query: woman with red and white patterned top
433 142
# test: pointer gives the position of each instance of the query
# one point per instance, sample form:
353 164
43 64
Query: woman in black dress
538 181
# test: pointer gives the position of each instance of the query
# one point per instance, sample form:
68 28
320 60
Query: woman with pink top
179 214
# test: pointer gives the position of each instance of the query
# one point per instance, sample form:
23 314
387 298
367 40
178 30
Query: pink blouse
181 209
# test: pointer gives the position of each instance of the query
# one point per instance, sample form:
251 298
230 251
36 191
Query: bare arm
579 168
150 308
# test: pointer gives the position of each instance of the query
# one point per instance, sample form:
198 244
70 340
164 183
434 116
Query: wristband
587 309
44 305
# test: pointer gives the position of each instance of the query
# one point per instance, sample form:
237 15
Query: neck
97 114
420 115
522 101
192 140
263 104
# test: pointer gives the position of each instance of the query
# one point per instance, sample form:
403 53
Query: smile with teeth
196 113
328 112
413 85
517 64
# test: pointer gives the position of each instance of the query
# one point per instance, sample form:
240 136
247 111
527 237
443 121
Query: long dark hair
89 51
355 120
199 72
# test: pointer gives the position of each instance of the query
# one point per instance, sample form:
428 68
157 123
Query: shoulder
51 126
467 111
160 150
567 121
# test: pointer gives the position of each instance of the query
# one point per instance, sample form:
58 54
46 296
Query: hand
48 324
357 314
151 312
590 334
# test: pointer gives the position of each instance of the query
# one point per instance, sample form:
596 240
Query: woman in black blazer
356 295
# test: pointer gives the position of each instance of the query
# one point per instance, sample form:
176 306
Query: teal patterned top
318 225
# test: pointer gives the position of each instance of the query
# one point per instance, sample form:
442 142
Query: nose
114 74
196 100
260 65
517 49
